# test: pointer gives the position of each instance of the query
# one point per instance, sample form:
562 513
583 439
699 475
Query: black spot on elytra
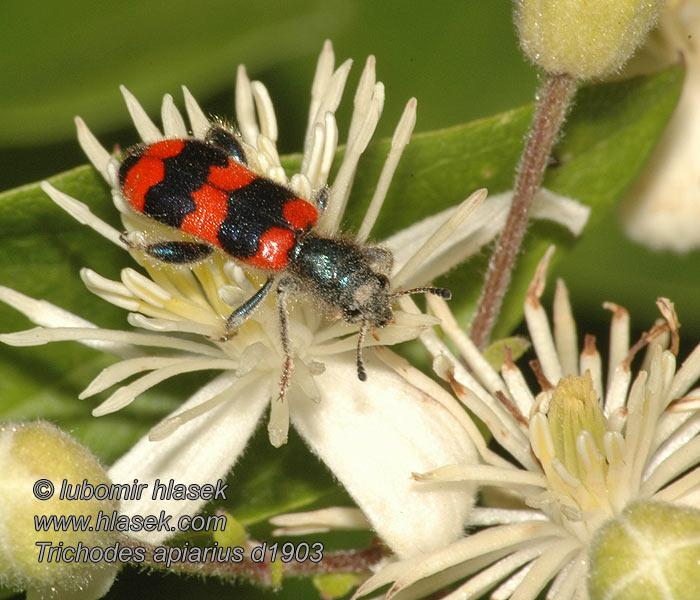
252 210
170 201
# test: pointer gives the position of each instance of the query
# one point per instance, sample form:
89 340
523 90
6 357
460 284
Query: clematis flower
579 466
371 434
662 211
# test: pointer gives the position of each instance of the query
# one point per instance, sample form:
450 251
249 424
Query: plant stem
553 100
263 572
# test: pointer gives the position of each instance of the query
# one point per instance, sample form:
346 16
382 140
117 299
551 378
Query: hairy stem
553 100
264 572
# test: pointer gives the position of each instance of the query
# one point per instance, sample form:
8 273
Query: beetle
205 188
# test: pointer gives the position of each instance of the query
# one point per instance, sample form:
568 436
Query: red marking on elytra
146 173
204 222
273 246
300 214
231 177
165 148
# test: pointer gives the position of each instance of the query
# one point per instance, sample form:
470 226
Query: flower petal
202 451
373 435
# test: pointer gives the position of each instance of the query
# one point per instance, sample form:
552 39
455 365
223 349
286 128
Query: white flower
372 435
578 454
662 211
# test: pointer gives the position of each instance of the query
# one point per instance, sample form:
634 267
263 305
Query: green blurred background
459 58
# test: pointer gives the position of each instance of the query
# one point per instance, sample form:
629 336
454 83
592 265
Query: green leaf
336 585
495 353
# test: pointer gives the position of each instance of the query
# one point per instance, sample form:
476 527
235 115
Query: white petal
202 451
373 435
663 208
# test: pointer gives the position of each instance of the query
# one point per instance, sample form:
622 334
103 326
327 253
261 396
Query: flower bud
650 551
583 38
35 459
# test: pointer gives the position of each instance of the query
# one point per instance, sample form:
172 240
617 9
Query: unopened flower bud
583 38
650 551
35 460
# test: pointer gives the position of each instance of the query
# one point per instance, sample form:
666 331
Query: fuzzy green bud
652 550
35 459
583 38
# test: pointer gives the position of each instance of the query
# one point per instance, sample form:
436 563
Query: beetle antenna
361 372
442 292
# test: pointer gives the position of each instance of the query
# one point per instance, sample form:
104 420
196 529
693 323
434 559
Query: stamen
198 120
144 288
266 112
619 337
402 135
538 324
312 161
275 171
356 146
324 71
330 145
125 395
124 369
81 213
565 338
591 362
479 365
363 96
173 123
41 312
245 108
464 210
316 521
95 152
170 425
147 129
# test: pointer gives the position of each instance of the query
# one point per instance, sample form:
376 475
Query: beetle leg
286 285
245 310
172 252
361 372
178 253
